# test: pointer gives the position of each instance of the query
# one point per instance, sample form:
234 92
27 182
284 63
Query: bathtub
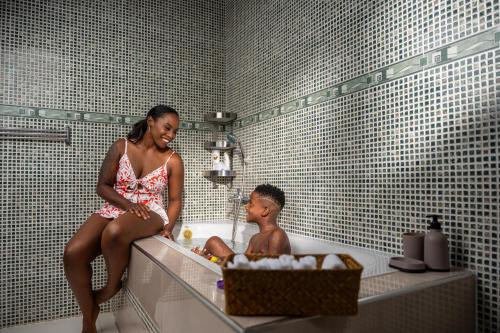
171 289
373 262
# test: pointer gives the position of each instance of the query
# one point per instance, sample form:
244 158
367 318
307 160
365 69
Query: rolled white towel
332 261
301 264
275 264
240 258
297 265
263 263
283 262
253 265
309 262
239 261
286 261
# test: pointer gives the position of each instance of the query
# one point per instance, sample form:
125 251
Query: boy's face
254 208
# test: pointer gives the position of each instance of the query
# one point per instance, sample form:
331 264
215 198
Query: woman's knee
75 252
113 234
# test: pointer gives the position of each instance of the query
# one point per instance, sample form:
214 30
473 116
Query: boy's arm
277 242
250 246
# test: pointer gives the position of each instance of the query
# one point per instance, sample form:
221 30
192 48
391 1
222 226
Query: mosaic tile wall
371 115
94 66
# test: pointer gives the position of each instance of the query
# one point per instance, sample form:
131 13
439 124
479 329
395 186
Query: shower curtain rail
35 134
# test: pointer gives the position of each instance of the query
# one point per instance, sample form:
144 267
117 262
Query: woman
132 179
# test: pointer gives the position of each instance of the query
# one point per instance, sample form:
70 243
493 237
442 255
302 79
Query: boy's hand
205 254
199 251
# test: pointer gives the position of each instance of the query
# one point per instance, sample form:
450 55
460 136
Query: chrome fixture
237 199
234 139
239 196
36 134
221 150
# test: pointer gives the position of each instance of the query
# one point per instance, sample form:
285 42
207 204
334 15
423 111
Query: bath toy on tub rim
188 234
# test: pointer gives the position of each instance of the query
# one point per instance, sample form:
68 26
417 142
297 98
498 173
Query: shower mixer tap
240 197
237 199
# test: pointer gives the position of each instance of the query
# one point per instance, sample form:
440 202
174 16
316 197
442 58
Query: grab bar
34 134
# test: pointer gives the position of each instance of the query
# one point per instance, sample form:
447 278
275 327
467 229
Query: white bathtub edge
199 259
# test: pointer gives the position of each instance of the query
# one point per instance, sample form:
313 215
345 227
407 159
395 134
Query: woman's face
164 129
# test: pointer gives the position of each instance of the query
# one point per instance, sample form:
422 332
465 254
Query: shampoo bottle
436 255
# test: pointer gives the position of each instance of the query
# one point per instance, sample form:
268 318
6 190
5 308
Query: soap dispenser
436 256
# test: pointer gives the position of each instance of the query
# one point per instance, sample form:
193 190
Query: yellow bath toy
188 234
214 259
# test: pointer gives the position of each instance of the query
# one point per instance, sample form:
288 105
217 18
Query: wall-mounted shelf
221 151
219 145
219 173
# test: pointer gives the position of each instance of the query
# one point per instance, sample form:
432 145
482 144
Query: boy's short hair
272 192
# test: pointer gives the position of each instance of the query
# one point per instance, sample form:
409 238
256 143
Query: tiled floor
105 324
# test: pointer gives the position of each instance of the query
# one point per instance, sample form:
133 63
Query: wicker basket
292 292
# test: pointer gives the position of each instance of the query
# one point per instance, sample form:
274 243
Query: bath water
199 242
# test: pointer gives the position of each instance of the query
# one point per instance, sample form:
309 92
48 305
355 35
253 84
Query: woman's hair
140 127
271 192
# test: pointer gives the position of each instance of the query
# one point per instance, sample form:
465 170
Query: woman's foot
89 326
104 294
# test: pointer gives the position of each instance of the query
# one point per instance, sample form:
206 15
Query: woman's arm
175 188
107 178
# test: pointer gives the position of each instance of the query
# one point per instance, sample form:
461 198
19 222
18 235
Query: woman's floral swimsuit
147 190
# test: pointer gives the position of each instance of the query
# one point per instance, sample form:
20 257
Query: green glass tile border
93 117
472 45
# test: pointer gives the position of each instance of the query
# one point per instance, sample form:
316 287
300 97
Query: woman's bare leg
115 245
79 252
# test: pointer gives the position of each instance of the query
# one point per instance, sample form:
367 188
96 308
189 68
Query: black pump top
434 224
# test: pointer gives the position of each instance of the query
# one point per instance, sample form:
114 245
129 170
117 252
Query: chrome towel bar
35 134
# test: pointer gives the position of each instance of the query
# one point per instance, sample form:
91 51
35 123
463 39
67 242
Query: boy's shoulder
275 235
278 233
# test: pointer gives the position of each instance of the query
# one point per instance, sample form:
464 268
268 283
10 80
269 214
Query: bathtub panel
128 321
166 301
170 284
188 315
446 308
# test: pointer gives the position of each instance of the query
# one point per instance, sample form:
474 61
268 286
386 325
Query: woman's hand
167 234
141 210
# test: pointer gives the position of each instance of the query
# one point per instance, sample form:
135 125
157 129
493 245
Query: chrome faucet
237 199
240 197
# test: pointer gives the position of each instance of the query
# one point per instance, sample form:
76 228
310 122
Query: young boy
266 202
